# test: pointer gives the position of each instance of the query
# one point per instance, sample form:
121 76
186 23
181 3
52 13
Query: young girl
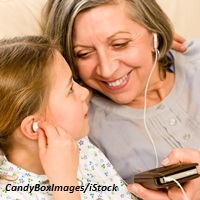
37 89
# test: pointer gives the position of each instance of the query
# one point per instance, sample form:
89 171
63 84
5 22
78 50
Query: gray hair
61 15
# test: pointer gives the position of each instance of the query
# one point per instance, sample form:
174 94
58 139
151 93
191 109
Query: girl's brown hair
24 81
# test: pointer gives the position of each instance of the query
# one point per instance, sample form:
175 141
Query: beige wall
23 17
20 17
185 15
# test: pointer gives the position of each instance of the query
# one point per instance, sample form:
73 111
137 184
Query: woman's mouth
118 82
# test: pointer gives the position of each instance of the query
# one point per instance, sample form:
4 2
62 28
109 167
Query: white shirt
95 173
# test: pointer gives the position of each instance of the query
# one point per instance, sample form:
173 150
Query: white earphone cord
145 124
145 106
179 185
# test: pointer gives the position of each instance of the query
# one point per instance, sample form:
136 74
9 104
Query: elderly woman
146 101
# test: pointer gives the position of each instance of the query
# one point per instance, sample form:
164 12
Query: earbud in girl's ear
35 127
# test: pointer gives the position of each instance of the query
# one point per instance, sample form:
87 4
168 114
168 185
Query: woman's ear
27 127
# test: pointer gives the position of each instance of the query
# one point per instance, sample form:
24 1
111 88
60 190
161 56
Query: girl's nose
84 93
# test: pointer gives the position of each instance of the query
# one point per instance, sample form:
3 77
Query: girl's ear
27 127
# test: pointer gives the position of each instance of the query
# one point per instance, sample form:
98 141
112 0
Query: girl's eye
71 89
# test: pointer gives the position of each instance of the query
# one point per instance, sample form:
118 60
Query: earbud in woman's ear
35 127
155 41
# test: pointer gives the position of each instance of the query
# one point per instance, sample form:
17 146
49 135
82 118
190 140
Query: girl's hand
59 157
58 152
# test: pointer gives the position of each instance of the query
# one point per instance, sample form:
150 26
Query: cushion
185 16
23 17
20 17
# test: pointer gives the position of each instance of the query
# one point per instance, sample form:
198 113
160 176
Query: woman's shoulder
105 107
192 42
192 52
190 58
193 47
103 103
102 108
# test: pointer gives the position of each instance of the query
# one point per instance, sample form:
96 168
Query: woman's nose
106 66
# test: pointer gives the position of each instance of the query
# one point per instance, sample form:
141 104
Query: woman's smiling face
113 53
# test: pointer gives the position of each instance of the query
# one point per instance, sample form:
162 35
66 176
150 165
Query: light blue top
118 130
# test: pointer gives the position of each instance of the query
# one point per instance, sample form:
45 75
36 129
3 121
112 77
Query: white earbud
35 127
155 41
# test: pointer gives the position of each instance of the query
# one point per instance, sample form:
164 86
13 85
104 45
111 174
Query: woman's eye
119 45
81 55
84 54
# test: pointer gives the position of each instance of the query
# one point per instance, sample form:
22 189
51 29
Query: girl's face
67 106
113 53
